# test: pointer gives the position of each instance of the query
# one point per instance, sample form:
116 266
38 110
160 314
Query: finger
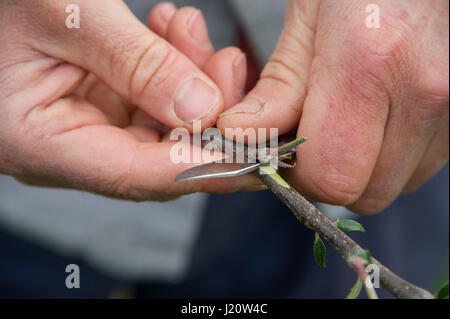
403 147
276 101
373 115
187 31
418 111
228 69
160 16
344 115
134 62
343 118
436 156
116 109
144 133
85 153
256 188
140 118
142 171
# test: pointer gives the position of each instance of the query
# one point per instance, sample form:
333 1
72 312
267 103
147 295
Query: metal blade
216 169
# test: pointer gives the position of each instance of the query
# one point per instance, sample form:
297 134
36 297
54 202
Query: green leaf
288 146
349 225
286 156
356 290
319 251
443 292
365 254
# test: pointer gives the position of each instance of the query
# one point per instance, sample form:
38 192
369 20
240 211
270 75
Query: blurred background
236 245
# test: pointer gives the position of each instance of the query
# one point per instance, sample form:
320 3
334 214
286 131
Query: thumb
277 98
133 61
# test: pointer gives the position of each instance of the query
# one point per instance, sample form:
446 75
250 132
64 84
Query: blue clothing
239 245
250 245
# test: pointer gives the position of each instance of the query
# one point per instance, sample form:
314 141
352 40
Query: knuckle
284 69
395 61
383 53
337 189
411 187
275 70
140 59
435 90
368 205
380 61
355 88
150 68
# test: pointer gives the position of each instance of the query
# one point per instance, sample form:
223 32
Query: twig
312 218
358 265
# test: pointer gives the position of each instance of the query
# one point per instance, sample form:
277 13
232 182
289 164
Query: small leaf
286 156
291 145
365 254
443 292
319 251
349 225
356 290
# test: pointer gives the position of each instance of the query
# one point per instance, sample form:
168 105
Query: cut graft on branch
311 217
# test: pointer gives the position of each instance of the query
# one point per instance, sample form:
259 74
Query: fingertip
329 184
199 31
369 206
228 69
160 16
187 31
270 105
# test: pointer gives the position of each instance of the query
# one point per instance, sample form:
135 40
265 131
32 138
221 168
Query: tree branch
358 265
312 218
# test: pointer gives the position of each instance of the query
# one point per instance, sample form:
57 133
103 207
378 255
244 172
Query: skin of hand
87 108
373 102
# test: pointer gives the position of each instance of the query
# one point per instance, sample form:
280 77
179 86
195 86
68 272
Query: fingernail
194 100
239 73
167 10
199 30
250 106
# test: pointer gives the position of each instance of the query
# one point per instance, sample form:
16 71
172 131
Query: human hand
81 108
372 102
